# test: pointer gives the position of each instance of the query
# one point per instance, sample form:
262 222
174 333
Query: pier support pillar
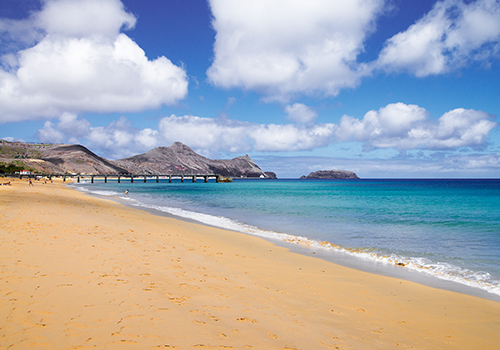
170 179
132 179
182 178
92 179
144 178
78 179
118 178
194 178
206 179
157 179
105 179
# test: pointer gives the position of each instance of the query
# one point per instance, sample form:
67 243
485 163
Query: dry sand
83 272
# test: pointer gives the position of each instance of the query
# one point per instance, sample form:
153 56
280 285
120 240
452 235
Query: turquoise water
446 228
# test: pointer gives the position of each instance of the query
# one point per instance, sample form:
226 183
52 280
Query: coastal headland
84 272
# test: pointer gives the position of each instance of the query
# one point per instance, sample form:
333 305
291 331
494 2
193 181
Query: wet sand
84 272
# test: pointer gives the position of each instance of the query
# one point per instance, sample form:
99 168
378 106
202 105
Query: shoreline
83 271
341 257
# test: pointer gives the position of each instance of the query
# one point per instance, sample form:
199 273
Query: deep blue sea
446 228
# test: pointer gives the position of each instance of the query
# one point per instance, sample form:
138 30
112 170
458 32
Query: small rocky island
331 174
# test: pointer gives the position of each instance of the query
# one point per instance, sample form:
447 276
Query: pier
130 177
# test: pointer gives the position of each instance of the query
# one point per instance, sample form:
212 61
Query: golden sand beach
80 272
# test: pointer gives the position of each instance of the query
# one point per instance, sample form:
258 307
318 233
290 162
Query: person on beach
126 192
31 182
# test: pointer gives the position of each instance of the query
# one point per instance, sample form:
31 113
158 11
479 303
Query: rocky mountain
177 159
60 159
181 160
331 174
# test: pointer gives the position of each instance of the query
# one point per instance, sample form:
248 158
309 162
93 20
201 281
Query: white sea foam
443 271
98 192
101 192
440 270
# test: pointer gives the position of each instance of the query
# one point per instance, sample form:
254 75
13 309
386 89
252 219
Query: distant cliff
331 174
181 160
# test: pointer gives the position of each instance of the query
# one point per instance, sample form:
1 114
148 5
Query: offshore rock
331 174
271 175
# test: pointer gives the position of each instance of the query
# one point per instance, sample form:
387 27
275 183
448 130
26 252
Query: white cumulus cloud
451 35
212 136
287 47
50 134
402 126
83 63
207 135
300 113
116 140
285 138
85 18
398 126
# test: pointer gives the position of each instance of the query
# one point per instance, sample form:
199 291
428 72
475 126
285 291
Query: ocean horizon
447 229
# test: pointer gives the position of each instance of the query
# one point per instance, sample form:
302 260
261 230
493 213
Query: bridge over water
132 177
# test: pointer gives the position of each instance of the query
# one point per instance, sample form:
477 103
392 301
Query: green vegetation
10 168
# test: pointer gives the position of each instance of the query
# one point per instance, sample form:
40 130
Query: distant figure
31 182
126 192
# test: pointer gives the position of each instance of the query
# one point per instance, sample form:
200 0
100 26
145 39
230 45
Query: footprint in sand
271 335
246 319
75 325
188 286
179 301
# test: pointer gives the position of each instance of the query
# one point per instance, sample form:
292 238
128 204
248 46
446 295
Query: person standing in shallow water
126 192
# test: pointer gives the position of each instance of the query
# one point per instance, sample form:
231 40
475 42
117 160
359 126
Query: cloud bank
81 62
453 34
283 48
402 126
287 48
395 126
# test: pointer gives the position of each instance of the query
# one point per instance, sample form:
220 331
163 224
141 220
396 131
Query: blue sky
387 89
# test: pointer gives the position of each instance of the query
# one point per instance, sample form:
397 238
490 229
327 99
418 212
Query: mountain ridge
181 160
177 159
56 158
